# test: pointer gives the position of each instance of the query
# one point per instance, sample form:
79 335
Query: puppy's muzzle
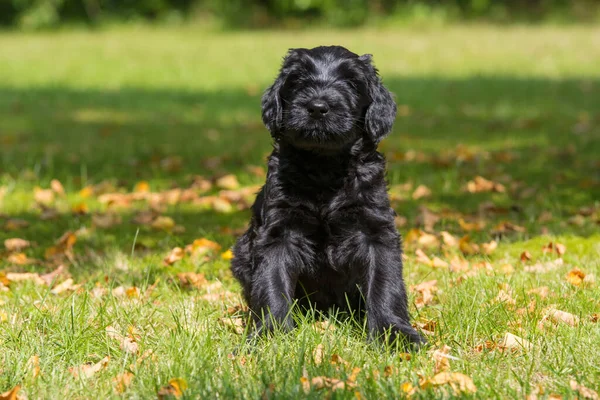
317 108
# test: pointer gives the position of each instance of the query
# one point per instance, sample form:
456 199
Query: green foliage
33 14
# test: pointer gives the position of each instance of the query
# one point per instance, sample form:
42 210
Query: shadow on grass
540 136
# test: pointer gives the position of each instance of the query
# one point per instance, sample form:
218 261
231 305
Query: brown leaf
525 256
540 267
459 383
449 240
408 389
175 388
122 381
426 291
126 343
57 187
15 224
422 257
442 362
583 391
229 182
467 247
162 223
427 218
43 196
16 244
323 326
489 248
305 383
33 364
321 382
192 280
63 246
541 291
176 254
88 370
420 192
11 394
507 227
20 259
551 247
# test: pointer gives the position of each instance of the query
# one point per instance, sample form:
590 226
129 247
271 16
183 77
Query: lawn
117 147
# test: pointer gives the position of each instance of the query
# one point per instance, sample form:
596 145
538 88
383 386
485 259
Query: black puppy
322 231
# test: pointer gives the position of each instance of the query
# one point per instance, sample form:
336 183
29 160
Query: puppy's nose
317 108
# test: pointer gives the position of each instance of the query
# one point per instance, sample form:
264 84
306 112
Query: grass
515 105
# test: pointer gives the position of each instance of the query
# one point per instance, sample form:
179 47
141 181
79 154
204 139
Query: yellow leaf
175 388
57 187
513 342
466 247
449 240
488 248
65 286
227 255
33 364
43 196
20 259
133 292
471 226
3 316
408 389
141 187
16 244
575 277
86 192
192 279
479 184
305 383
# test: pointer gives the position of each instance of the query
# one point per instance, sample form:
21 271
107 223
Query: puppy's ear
272 106
381 113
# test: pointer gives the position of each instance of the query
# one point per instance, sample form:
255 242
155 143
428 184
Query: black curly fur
322 230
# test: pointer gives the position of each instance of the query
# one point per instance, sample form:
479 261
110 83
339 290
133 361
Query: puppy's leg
274 283
385 293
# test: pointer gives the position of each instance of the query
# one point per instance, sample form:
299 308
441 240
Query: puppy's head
327 98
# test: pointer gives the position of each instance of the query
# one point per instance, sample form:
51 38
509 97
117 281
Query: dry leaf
57 187
575 277
174 255
237 325
126 343
88 370
544 267
551 247
525 256
562 317
583 391
63 246
479 184
33 364
321 382
141 187
513 342
20 259
507 227
323 326
471 226
227 255
449 240
422 257
163 223
192 279
426 291
467 247
228 182
305 383
25 276
65 286
43 196
488 248
175 388
122 381
420 192
459 383
542 291
408 388
16 244
11 394
442 362
318 354
15 224
107 220
427 218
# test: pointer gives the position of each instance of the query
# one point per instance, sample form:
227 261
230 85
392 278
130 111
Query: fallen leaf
175 388
422 257
427 218
467 247
67 285
305 384
122 381
63 246
323 326
459 383
25 276
57 187
202 246
176 254
449 240
43 196
540 267
20 259
479 184
192 279
15 224
16 244
562 317
321 382
106 220
408 388
440 356
318 354
551 247
88 370
237 325
229 182
489 248
513 342
505 297
583 391
507 227
163 223
33 364
420 192
227 255
126 343
525 256
542 291
141 187
575 277
11 394
426 292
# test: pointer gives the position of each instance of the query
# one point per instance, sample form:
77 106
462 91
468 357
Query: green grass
517 105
